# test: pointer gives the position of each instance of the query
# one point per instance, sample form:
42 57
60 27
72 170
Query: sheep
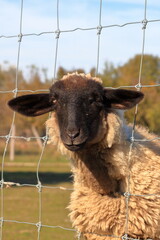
87 125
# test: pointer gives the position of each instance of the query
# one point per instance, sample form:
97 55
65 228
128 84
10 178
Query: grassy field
22 203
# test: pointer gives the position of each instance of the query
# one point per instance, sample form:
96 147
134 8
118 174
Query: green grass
22 203
30 152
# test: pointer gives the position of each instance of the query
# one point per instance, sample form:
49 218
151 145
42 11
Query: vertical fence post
36 134
12 143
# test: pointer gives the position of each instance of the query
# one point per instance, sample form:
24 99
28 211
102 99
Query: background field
22 203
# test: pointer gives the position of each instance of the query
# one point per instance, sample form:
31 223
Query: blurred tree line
112 76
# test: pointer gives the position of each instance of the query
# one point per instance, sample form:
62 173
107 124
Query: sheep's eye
54 101
94 100
54 98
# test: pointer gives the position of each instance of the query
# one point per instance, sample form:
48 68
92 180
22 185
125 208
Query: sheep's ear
32 105
121 98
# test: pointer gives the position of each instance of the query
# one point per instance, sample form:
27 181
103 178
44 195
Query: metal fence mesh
59 34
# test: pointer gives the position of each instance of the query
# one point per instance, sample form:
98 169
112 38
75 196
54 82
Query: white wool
87 76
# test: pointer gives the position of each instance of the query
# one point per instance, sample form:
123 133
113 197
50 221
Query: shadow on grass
31 177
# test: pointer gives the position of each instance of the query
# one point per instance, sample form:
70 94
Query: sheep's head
79 102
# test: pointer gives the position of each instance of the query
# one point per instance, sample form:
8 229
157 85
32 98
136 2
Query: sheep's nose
73 133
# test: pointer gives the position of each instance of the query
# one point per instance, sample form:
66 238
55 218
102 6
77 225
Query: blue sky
77 49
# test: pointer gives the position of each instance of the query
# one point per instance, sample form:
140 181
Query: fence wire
39 186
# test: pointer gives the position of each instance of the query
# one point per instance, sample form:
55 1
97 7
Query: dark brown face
78 103
78 112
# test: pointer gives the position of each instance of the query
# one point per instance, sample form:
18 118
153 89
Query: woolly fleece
104 171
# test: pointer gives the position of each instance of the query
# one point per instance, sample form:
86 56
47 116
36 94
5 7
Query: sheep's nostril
73 133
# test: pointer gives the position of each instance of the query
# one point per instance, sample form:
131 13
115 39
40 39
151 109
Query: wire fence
39 186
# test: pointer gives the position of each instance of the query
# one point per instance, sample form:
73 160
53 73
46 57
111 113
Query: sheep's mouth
74 147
